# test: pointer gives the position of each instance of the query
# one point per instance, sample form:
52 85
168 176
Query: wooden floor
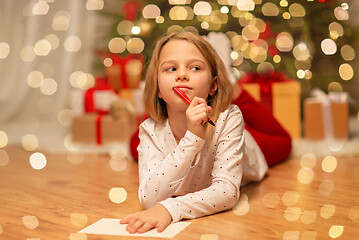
304 198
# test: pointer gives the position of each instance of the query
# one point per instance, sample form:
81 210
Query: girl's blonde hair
156 107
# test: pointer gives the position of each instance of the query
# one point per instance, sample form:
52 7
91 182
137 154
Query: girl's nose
182 77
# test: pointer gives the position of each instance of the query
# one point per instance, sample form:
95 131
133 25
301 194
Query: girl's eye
170 69
196 68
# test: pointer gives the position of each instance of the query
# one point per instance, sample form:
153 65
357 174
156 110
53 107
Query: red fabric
270 136
134 142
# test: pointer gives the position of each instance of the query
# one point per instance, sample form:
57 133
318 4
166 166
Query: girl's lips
186 90
183 88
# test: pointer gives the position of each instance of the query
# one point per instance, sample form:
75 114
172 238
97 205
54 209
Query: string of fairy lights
248 46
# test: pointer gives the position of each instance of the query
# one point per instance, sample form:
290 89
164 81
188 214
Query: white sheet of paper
112 226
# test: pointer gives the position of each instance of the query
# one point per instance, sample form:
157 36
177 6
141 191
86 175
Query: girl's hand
154 217
197 115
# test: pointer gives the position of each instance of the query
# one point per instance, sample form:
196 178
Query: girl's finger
126 219
200 108
197 101
131 221
135 226
161 226
145 227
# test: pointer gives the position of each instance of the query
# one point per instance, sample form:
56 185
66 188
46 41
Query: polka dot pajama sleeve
160 175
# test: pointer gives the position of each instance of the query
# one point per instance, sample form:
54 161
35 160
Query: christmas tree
309 41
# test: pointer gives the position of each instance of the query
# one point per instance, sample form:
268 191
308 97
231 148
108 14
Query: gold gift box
85 128
133 74
321 123
285 104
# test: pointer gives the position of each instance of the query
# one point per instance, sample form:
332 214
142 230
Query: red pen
187 100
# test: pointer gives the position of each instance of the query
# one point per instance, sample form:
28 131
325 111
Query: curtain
44 46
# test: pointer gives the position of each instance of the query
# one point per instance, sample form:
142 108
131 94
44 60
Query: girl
188 168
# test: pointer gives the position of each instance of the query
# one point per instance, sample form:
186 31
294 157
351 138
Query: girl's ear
214 87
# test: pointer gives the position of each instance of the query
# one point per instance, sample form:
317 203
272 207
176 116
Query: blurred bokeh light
29 142
117 195
3 139
4 158
30 222
38 161
4 49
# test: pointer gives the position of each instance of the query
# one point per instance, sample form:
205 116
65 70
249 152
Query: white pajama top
195 177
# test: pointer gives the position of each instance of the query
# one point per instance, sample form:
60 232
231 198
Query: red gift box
280 95
101 84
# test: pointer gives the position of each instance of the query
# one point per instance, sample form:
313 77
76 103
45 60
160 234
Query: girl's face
181 64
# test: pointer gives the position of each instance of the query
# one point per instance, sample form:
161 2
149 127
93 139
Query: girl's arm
223 193
161 175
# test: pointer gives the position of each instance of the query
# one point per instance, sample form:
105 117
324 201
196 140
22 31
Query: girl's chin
177 107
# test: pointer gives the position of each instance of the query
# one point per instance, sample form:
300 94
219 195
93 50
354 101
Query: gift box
280 95
99 98
135 98
326 117
125 72
100 129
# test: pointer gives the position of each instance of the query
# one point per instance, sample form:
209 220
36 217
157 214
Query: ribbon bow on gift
122 69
